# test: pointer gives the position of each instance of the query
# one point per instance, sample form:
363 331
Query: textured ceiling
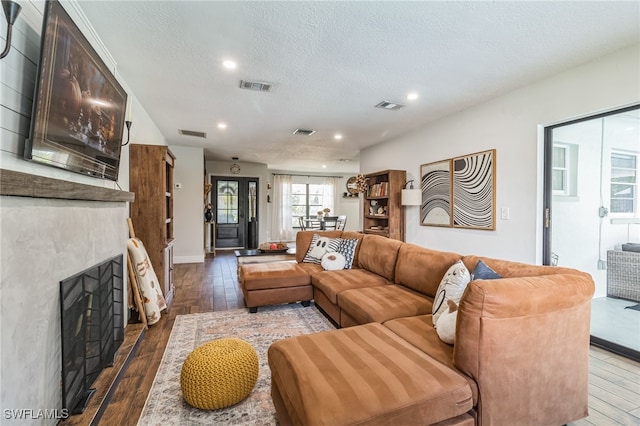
331 62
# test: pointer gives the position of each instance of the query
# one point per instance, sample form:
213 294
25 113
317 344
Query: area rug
165 405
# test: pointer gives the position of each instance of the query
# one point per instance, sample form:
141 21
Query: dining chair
331 222
342 222
312 223
302 224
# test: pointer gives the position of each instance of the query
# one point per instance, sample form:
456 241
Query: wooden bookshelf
383 213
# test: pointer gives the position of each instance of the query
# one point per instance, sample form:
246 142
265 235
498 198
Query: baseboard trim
616 348
189 259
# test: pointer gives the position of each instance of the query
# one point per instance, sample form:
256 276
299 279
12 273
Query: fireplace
91 304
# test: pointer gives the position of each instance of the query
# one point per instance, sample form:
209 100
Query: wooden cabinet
383 213
151 179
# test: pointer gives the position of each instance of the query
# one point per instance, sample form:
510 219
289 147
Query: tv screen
79 106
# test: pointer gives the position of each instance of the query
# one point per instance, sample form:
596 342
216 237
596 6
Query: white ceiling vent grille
303 132
192 133
389 105
255 85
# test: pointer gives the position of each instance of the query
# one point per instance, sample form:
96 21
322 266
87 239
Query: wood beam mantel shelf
21 184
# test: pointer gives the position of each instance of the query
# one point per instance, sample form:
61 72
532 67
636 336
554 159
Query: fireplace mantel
21 184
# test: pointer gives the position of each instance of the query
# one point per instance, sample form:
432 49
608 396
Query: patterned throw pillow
483 272
318 247
452 286
332 261
347 248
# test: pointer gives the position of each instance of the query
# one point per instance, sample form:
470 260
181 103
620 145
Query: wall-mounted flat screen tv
79 106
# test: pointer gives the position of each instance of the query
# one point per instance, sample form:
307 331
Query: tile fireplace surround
45 240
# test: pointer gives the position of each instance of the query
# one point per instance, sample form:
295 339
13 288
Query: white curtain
281 219
329 195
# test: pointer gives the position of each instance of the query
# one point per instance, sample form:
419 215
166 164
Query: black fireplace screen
91 304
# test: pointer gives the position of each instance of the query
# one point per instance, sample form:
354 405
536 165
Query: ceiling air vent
255 85
303 132
192 133
389 105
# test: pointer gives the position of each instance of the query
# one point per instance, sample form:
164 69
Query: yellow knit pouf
219 374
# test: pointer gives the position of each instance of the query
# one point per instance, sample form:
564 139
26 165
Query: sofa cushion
378 255
257 276
452 286
347 248
351 235
483 272
333 261
319 246
634 247
310 268
419 331
422 269
364 374
382 303
334 282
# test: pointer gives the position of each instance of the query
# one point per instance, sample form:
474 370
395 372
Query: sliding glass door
592 214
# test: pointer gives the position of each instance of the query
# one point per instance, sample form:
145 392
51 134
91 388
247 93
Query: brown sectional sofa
520 356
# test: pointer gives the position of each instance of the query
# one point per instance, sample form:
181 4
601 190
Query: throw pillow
452 286
318 247
333 261
446 328
483 272
347 248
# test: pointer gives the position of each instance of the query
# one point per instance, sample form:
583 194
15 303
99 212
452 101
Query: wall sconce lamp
128 124
410 196
11 12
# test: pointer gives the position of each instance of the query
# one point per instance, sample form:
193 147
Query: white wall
188 204
512 124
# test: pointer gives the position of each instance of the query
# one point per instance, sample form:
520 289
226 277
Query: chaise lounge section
520 354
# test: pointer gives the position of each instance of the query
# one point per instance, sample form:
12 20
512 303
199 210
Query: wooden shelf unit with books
383 213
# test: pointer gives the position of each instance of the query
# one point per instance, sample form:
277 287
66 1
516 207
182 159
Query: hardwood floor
614 382
200 287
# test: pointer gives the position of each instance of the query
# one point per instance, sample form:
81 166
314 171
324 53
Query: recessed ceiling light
324 166
222 125
412 96
337 136
229 64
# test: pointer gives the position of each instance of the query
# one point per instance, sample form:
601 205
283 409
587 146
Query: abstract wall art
473 188
435 183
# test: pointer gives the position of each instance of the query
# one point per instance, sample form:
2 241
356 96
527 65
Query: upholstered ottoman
363 375
219 374
273 283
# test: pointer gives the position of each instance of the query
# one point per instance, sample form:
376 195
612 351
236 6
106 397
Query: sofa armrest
526 343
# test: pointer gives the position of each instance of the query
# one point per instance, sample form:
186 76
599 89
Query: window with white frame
307 199
624 183
565 169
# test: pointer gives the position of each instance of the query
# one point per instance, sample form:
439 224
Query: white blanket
147 281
